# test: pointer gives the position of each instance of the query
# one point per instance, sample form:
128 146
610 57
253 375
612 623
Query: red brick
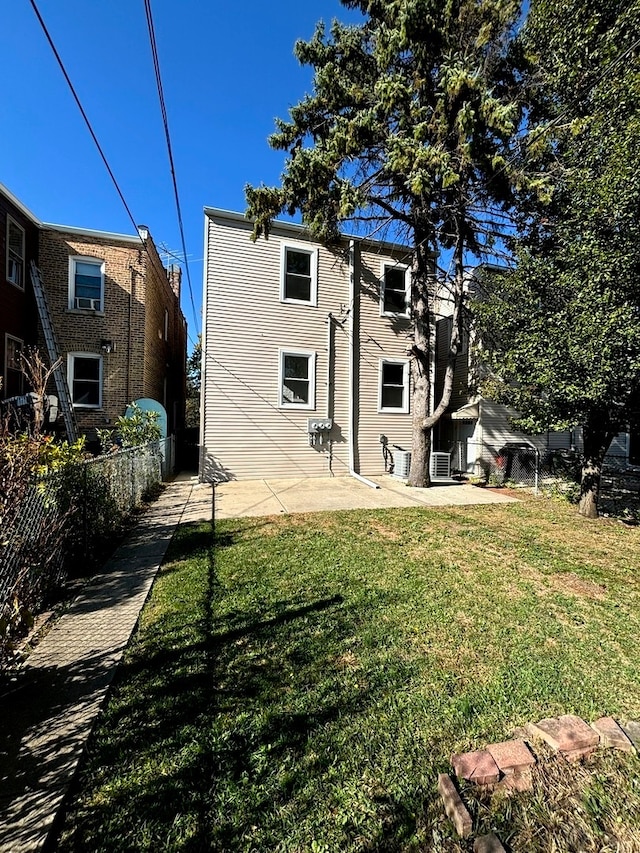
488 844
632 731
478 767
567 733
611 735
511 756
454 807
577 754
517 782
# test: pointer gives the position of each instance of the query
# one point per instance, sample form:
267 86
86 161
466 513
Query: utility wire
165 122
83 113
45 30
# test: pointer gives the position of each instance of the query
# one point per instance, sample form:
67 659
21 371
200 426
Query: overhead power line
165 122
96 141
83 113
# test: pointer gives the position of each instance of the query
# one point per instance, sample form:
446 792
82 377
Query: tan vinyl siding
378 338
246 434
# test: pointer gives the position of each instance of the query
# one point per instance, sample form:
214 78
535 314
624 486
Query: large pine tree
412 122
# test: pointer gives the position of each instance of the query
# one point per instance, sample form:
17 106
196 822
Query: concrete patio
303 494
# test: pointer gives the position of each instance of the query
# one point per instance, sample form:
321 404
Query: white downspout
352 371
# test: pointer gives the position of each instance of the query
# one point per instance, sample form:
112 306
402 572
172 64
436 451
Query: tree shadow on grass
214 724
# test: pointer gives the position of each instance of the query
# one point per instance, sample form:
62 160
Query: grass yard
300 686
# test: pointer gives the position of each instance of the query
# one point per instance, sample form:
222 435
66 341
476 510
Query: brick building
117 318
114 308
18 317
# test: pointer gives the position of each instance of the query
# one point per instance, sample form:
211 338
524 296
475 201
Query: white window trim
405 385
313 266
407 288
7 338
12 221
84 259
311 355
70 374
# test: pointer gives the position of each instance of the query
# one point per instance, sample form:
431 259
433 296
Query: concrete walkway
47 713
273 497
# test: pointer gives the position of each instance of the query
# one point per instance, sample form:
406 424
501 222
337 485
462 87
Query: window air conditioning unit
85 303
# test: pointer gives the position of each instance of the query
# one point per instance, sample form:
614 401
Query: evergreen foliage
412 125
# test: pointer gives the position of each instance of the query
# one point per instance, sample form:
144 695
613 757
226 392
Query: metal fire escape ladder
52 348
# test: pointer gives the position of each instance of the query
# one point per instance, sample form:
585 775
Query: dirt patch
389 533
570 582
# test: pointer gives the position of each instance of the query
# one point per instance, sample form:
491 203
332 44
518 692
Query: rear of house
305 362
116 313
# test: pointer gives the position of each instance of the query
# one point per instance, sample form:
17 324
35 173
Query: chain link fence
66 519
543 468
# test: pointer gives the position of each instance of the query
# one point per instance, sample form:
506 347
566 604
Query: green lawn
299 686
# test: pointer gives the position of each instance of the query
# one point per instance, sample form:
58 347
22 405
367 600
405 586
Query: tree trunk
422 282
423 292
596 443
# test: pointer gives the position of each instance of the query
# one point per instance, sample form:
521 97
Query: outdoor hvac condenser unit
401 462
440 466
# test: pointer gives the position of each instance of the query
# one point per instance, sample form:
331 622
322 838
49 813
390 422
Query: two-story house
305 368
18 318
114 309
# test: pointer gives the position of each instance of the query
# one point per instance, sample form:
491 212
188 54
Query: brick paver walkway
46 717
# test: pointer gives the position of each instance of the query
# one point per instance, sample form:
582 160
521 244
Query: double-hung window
86 284
15 253
297 377
393 391
13 375
394 290
298 277
85 379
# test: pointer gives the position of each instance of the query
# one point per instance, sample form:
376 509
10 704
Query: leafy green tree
561 331
139 426
411 124
194 372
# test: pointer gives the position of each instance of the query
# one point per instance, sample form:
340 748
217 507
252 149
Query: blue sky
228 70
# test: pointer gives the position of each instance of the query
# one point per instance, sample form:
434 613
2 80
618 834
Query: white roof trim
89 232
301 230
21 207
469 412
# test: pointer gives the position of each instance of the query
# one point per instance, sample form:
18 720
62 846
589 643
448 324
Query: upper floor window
86 284
299 275
297 379
84 372
394 292
393 392
15 253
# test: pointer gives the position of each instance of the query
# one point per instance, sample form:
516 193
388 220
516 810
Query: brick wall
136 293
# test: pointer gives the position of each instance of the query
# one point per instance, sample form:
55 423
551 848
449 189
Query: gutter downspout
352 370
330 383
